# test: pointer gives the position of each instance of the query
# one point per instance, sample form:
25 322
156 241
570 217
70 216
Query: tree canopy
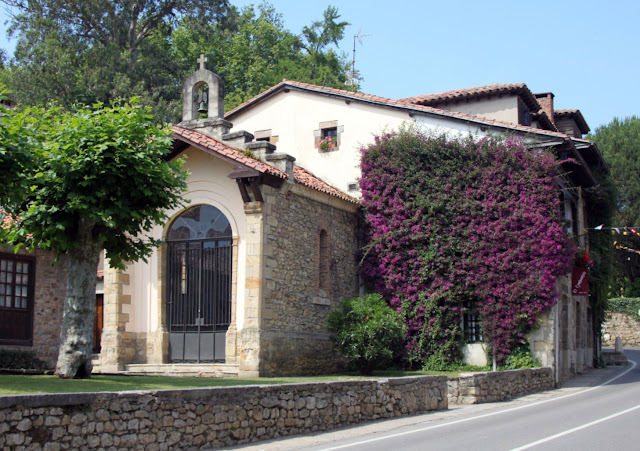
98 181
619 142
98 50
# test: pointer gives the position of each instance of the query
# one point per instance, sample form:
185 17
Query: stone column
249 337
231 344
117 348
158 339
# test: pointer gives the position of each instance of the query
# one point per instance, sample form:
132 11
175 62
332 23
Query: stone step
95 361
183 369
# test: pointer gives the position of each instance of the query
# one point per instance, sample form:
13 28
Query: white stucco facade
208 184
501 108
294 117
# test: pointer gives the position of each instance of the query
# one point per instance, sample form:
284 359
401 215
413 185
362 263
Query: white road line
465 420
576 429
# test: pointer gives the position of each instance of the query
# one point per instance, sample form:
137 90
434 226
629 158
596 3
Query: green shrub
520 357
367 332
13 359
630 306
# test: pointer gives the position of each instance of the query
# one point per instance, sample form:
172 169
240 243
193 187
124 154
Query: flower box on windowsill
327 144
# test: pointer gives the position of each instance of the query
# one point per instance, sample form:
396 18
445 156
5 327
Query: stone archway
199 285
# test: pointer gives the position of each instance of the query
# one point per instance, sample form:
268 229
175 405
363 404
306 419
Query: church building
251 267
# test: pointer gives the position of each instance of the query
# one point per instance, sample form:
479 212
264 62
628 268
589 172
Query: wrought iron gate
198 298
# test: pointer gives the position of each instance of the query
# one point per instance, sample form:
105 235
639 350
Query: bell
202 108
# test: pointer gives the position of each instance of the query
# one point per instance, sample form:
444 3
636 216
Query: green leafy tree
98 50
15 162
367 332
99 182
619 142
86 51
315 40
258 52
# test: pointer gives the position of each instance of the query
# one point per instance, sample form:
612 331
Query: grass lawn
18 384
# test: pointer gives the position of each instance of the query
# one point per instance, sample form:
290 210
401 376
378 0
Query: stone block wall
499 386
50 291
621 325
294 339
208 418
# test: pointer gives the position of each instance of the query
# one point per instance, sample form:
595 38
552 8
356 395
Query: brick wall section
621 325
207 418
294 339
50 291
499 386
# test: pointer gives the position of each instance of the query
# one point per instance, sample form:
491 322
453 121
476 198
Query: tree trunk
74 357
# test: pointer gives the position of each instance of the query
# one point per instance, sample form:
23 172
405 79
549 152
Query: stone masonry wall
621 325
207 418
50 291
499 386
294 337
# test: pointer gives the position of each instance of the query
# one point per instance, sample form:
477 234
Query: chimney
545 100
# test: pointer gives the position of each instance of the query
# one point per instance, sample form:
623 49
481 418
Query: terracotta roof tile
574 114
478 91
192 136
306 178
301 175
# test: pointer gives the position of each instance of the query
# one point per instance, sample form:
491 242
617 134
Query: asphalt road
599 410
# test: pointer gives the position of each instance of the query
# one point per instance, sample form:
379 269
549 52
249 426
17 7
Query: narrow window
265 135
324 266
471 324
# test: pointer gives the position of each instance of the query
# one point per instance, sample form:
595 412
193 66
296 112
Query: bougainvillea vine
456 222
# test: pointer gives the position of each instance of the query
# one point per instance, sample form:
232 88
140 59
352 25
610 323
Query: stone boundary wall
499 386
206 418
621 325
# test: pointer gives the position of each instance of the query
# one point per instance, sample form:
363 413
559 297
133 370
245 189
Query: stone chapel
252 265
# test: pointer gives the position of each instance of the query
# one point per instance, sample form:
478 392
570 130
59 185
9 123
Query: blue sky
586 52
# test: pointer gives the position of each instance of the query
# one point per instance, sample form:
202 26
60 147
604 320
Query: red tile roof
574 114
194 137
479 91
315 88
306 178
397 103
301 175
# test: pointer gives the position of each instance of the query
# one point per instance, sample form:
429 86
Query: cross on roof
203 59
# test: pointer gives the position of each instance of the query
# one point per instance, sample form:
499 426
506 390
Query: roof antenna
351 74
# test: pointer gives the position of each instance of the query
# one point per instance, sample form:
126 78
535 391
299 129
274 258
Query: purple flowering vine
453 222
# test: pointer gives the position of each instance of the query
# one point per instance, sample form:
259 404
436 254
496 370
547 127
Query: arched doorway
199 251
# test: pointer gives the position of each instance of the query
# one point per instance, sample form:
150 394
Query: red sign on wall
580 282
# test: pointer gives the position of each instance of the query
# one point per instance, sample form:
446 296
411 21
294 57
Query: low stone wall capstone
499 386
206 418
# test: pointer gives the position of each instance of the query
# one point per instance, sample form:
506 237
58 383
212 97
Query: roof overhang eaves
235 163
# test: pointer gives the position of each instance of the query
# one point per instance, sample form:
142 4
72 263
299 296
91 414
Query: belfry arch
215 104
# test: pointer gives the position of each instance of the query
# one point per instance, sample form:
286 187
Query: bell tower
203 94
